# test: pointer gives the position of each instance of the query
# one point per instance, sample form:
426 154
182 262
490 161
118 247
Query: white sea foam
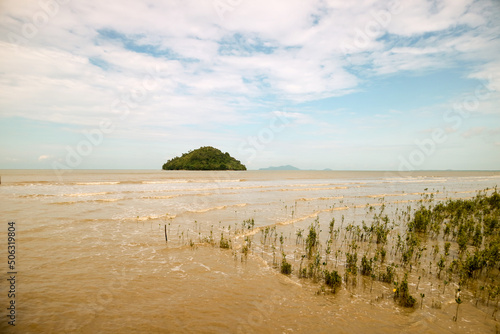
97 183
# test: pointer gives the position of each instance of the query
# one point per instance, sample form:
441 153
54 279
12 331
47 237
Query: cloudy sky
366 85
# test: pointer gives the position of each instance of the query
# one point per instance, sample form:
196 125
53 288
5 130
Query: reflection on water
93 257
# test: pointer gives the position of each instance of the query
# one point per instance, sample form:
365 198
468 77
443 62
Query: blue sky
367 85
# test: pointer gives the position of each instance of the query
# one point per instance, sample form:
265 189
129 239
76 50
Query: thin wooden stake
166 238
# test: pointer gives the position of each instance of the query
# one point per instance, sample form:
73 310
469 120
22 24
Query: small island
204 158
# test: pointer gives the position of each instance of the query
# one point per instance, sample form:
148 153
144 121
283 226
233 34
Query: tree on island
204 158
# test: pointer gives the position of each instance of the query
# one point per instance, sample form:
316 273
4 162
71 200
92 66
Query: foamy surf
87 194
97 183
221 207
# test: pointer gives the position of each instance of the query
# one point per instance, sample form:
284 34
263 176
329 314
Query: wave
103 200
222 207
467 191
214 181
36 195
169 216
88 194
97 183
174 196
107 200
424 193
416 180
318 198
146 218
311 184
384 195
64 203
191 181
165 182
160 197
306 189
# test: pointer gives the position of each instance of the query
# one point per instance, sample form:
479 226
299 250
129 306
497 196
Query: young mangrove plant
447 246
366 266
286 268
246 247
248 224
333 280
402 293
441 265
352 263
458 301
331 226
421 221
312 239
299 236
224 243
388 276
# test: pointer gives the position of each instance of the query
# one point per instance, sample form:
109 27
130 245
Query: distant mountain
286 167
204 158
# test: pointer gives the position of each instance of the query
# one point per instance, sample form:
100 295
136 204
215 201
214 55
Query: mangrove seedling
366 266
311 241
447 248
402 293
459 301
444 285
299 236
286 268
388 276
332 224
328 249
224 243
441 265
333 280
249 224
352 263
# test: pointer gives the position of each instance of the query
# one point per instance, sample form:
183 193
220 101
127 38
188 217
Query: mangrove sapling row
455 242
428 251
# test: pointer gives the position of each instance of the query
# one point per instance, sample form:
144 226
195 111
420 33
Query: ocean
91 254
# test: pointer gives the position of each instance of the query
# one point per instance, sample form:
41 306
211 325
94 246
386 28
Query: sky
344 85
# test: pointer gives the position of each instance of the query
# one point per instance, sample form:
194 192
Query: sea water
92 254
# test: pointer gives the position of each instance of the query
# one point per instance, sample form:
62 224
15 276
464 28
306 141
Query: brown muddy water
91 255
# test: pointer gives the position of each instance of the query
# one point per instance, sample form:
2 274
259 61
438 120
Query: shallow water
92 257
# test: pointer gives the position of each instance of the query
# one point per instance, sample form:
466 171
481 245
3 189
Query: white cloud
474 132
306 64
43 157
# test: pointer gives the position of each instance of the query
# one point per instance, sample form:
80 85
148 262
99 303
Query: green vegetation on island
204 158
